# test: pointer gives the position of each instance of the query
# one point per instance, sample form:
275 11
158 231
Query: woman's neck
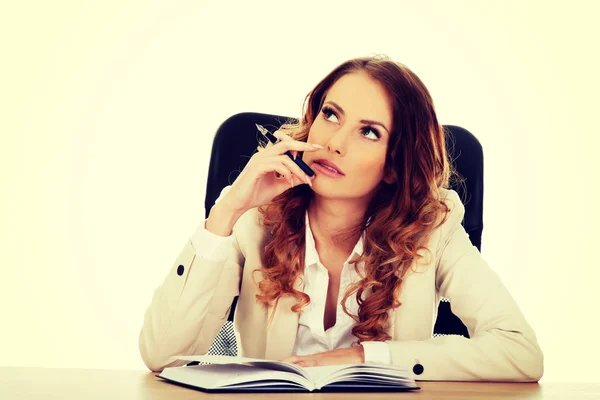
330 217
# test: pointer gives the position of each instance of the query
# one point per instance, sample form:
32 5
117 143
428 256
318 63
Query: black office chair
236 141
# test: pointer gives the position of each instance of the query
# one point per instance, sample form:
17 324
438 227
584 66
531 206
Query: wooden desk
65 384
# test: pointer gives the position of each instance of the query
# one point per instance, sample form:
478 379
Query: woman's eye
370 130
327 112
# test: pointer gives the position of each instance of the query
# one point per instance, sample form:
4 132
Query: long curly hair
402 215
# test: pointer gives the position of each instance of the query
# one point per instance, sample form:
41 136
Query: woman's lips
330 164
327 171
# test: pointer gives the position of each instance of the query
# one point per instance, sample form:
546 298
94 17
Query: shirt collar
311 255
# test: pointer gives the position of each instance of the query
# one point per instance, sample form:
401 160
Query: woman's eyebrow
364 121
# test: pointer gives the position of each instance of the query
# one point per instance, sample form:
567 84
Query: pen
273 139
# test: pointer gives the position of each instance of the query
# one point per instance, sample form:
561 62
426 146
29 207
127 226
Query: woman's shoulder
456 211
452 199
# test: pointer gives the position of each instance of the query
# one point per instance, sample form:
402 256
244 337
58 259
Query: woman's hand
352 355
257 184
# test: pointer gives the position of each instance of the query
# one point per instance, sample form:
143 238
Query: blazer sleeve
193 302
502 346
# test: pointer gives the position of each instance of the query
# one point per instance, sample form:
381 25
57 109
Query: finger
291 359
283 170
280 135
289 145
287 174
296 170
307 363
282 165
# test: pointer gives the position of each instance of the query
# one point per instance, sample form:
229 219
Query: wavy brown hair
403 214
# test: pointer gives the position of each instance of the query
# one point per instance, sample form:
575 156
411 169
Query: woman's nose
338 142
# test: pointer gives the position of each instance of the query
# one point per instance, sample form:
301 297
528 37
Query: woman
347 266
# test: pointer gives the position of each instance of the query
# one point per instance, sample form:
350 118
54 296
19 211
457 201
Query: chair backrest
236 141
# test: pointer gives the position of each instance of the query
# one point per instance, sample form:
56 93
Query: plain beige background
108 110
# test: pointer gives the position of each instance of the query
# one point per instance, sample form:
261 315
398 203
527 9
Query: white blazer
189 308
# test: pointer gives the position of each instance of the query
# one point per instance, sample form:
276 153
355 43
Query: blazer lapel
281 333
417 296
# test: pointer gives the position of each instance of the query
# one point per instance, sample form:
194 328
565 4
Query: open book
242 374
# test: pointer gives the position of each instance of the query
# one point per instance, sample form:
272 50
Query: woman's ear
389 178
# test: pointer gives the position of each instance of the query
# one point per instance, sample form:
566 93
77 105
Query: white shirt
311 337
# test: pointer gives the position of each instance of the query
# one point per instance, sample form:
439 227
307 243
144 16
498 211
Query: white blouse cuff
377 352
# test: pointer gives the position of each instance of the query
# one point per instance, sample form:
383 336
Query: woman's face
357 148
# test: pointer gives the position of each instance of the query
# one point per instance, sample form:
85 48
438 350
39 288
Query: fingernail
318 146
308 181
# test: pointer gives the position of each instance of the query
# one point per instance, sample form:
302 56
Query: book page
362 374
224 376
258 362
317 377
323 373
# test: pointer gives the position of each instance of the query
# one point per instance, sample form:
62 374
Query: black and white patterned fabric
225 343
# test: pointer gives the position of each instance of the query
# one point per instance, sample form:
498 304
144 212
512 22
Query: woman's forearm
222 219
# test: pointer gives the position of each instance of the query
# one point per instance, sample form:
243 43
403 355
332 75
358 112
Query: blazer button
180 270
418 369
